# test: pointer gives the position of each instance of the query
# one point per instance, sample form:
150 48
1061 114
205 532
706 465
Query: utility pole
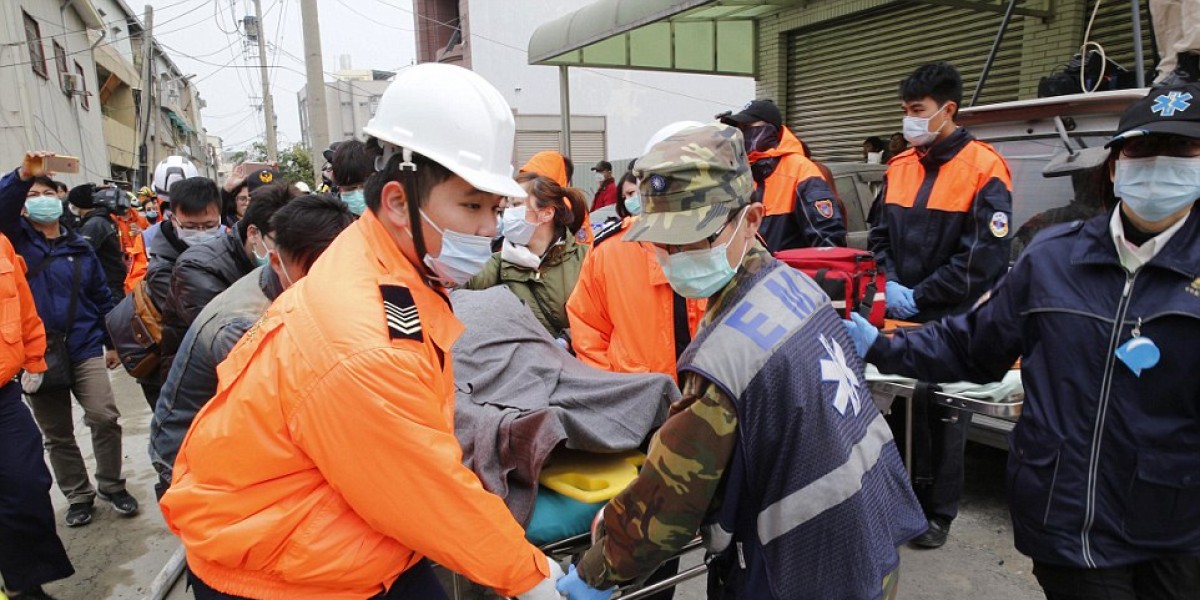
147 89
268 104
318 123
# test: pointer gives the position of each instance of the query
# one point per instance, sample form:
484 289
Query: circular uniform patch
999 224
658 183
824 208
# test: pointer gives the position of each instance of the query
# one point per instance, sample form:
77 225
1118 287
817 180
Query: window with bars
37 53
83 93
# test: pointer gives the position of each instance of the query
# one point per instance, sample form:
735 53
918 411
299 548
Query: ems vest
816 497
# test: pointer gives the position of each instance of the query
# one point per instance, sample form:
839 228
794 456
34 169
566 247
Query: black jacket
164 251
201 273
99 231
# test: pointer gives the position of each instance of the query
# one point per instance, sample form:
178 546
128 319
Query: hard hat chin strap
408 180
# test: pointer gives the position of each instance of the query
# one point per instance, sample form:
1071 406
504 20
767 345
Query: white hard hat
668 131
170 170
455 118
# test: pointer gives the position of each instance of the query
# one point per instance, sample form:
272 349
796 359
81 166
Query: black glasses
1161 145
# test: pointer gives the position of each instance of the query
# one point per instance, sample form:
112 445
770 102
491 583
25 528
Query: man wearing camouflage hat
777 442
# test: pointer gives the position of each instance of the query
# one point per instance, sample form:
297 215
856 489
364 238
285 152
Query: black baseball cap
601 166
1169 110
328 153
261 177
755 110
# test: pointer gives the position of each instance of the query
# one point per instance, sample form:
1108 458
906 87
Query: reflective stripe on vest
832 489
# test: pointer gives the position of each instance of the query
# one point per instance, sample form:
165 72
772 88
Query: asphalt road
118 558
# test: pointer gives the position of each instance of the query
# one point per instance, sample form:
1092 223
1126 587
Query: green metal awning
178 121
689 36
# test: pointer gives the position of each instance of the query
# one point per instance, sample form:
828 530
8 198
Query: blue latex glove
576 589
900 302
862 332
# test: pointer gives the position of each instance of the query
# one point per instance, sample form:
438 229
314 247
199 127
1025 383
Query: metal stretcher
1002 399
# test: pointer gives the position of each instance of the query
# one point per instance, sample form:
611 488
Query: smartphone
250 167
61 164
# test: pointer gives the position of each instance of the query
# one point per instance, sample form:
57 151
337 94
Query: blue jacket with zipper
1104 465
52 287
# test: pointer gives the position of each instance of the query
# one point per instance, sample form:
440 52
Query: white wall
34 112
116 27
634 108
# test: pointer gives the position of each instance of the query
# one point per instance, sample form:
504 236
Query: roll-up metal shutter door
587 149
532 142
843 76
1113 29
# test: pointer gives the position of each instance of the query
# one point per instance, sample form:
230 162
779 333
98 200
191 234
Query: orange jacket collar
437 317
788 144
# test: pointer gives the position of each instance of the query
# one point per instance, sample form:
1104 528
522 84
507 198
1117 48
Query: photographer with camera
95 207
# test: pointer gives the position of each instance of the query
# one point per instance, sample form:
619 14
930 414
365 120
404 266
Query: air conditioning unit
70 83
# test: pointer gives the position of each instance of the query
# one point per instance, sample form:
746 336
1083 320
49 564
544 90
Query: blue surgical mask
44 209
462 257
701 273
516 229
916 129
355 201
265 258
1157 187
633 204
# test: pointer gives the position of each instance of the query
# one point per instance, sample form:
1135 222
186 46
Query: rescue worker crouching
776 413
1104 464
345 473
801 209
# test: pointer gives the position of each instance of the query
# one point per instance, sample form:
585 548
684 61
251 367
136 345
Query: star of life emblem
1170 103
836 370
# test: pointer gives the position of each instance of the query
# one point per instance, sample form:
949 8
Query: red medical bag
850 277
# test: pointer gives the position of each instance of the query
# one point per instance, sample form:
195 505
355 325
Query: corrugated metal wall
843 84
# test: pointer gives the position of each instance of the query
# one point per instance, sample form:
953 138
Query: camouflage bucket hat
690 183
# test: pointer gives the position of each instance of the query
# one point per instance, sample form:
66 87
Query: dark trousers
938 472
1163 579
150 391
30 552
417 583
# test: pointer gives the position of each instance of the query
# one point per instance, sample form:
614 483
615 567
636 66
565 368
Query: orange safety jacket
800 208
130 227
549 163
622 311
24 336
326 464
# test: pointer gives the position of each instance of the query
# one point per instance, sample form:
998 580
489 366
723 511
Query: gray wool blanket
519 395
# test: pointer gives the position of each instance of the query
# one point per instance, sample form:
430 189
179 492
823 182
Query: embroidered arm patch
401 312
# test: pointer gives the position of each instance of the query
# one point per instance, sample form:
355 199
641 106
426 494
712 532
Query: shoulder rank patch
401 312
824 208
999 224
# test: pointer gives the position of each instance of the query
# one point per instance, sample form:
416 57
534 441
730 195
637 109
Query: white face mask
1157 187
516 229
194 237
916 129
874 158
598 176
462 257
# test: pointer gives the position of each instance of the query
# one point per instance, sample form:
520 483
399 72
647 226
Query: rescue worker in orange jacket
31 552
326 464
940 231
624 315
130 225
801 209
549 163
